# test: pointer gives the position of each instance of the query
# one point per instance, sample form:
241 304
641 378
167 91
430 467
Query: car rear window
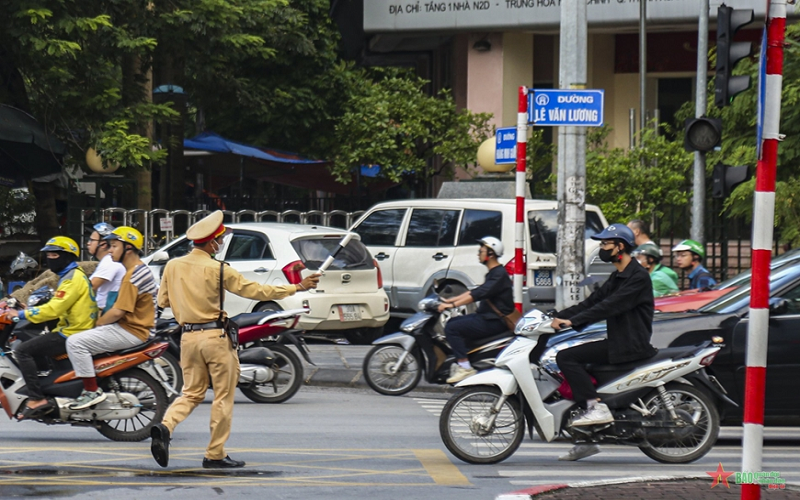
314 251
543 226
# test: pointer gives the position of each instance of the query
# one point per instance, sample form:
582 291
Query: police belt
211 325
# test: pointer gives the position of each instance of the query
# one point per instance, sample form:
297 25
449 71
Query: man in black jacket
625 301
485 322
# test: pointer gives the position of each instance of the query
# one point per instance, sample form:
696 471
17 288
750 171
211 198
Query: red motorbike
271 372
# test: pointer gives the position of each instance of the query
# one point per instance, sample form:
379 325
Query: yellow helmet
127 234
61 244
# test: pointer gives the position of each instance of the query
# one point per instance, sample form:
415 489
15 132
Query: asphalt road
331 443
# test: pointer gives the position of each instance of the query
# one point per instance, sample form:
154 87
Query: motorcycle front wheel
286 380
173 372
467 431
379 363
152 398
693 441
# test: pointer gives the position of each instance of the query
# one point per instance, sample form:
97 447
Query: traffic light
725 179
702 134
729 53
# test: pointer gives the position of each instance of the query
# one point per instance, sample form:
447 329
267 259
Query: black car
727 317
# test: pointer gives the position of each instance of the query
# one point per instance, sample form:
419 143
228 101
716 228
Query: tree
389 121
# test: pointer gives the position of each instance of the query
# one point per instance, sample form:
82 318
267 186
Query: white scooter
665 405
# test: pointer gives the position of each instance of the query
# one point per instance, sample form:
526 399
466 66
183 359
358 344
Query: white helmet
493 243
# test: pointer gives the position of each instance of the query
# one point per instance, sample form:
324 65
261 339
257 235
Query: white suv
350 298
418 241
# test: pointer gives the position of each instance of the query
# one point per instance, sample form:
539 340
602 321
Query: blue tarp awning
209 141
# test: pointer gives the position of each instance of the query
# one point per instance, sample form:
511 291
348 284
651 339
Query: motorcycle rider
191 287
625 301
497 287
74 306
107 278
690 255
128 323
665 280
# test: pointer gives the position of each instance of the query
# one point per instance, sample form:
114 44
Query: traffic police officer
191 287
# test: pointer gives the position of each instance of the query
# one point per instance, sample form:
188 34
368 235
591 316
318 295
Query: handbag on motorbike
510 319
229 326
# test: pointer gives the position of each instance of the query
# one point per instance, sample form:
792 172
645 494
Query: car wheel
267 306
455 290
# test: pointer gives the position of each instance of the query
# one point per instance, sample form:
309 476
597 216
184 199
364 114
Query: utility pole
642 69
697 231
571 160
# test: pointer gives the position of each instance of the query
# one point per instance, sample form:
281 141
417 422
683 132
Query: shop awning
26 150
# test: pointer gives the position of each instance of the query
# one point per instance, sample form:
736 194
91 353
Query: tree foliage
637 183
389 121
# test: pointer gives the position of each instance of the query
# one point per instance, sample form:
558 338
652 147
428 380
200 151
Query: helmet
23 262
617 231
103 229
127 234
493 243
61 244
692 246
651 250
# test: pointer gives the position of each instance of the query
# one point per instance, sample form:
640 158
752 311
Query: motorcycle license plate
349 313
543 277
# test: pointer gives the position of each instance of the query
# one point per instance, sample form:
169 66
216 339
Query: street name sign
505 149
565 108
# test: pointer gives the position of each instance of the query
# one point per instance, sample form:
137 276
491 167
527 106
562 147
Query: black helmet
617 231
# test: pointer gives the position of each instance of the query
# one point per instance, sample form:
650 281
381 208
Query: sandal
33 413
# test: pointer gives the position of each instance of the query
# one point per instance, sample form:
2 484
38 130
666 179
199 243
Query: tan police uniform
190 286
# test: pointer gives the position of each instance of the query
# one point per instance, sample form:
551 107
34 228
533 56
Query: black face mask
57 265
607 255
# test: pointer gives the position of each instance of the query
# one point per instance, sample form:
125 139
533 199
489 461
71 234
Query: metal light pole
642 67
571 160
699 179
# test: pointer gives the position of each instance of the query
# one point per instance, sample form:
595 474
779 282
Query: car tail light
706 361
293 271
380 275
510 270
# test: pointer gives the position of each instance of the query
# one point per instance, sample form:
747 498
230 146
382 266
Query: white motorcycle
665 405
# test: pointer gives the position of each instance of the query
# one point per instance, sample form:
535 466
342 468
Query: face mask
57 265
216 250
607 255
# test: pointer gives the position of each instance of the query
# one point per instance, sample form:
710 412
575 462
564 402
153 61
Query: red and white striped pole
763 222
519 226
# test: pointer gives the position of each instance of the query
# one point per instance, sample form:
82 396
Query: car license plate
349 313
543 277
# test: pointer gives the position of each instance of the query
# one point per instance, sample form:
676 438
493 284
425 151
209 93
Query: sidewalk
680 489
340 366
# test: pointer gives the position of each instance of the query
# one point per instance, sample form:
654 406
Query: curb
535 491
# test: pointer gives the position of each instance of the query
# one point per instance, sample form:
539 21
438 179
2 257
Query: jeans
48 345
472 326
572 363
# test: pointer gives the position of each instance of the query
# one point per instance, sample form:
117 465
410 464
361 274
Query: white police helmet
493 243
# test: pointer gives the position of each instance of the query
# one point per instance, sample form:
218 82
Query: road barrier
150 222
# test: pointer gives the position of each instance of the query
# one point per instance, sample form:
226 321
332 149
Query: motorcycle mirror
160 257
778 306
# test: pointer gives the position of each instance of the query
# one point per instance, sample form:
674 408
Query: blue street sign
571 108
505 149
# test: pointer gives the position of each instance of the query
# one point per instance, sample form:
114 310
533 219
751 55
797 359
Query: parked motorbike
665 405
397 362
135 400
270 371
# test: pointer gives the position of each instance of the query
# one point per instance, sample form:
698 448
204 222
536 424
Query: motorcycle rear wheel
152 397
286 380
462 435
692 401
172 369
377 370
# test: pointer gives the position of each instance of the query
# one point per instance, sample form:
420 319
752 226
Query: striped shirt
137 297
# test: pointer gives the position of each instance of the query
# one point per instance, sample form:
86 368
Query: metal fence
149 222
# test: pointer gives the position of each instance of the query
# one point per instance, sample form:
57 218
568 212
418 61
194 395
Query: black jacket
498 288
625 300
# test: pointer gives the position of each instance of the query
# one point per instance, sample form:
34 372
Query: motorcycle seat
661 355
129 350
248 319
473 343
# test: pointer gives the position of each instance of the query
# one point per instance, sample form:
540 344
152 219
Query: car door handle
260 270
381 256
439 256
